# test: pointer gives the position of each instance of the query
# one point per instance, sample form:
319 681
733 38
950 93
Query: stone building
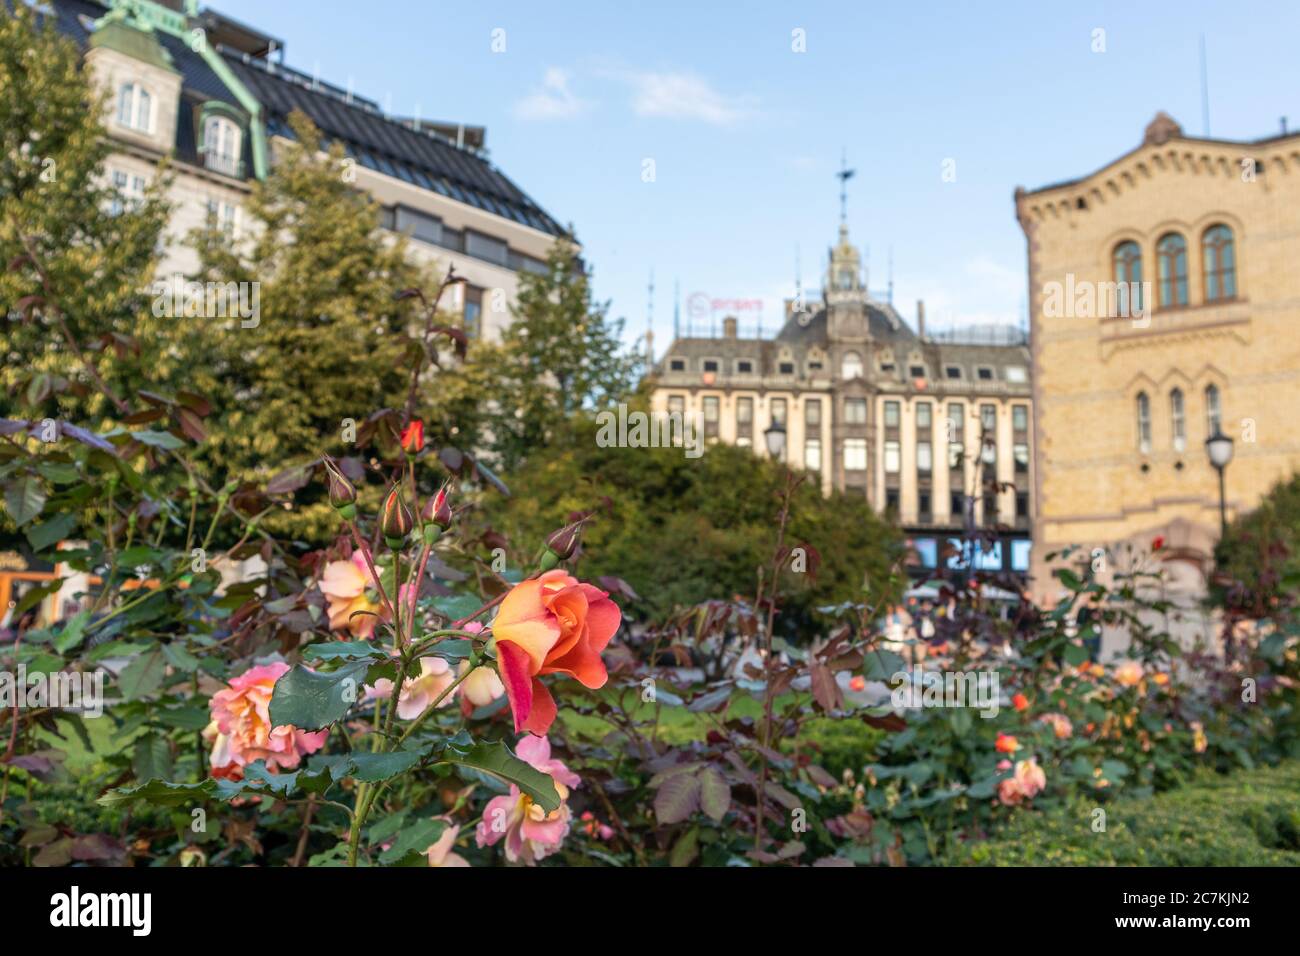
1164 306
876 409
214 95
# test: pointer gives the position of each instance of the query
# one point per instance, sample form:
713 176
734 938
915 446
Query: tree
328 345
683 530
1258 560
561 355
57 205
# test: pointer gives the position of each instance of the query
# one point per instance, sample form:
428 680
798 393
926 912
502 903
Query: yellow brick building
1165 300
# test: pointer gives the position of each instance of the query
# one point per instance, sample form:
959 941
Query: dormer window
677 365
744 368
786 368
952 371
918 371
851 367
984 373
710 365
221 145
135 108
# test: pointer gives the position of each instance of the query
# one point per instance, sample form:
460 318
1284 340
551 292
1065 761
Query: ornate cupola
845 288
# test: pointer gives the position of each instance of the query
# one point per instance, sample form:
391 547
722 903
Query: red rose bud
438 509
343 496
561 544
413 437
395 518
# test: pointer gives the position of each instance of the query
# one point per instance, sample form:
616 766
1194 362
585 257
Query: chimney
729 327
920 318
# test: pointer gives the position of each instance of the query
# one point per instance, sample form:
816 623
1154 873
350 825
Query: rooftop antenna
798 280
890 293
844 175
1205 91
677 310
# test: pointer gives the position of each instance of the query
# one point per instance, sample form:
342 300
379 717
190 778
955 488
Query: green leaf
454 607
142 676
158 439
73 631
152 758
686 849
1075 654
416 838
24 498
310 700
49 533
180 658
495 758
345 650
161 793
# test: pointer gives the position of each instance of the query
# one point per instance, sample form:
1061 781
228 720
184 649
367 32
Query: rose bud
343 496
395 518
413 437
438 509
561 544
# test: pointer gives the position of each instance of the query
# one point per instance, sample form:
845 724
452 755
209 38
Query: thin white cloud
685 95
553 100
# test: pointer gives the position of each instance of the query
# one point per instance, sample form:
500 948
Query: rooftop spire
844 175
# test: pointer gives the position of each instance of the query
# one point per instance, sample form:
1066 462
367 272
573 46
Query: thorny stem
792 482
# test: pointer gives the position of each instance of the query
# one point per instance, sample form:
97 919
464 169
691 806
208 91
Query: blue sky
746 134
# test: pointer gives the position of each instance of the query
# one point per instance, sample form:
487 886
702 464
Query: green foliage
1258 560
682 530
1250 818
560 355
57 202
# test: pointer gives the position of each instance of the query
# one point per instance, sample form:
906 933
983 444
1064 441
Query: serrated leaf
496 758
73 631
142 676
310 700
686 849
416 838
152 758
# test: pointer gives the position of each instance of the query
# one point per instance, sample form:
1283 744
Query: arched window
135 107
1128 277
1171 269
1144 422
1177 420
1213 413
221 145
851 367
1220 264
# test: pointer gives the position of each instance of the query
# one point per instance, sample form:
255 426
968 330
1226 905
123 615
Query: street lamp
775 437
1219 448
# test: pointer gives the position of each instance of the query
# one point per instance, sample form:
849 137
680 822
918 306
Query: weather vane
844 175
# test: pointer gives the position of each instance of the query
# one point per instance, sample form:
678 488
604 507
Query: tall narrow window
1171 267
778 410
134 107
1213 414
855 454
744 421
812 454
1220 264
1128 277
1144 422
710 406
893 458
1177 419
221 145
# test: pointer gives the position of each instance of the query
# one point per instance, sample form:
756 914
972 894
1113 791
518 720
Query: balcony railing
223 163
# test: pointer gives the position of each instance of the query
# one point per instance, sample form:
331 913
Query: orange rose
552 624
1020 702
1006 744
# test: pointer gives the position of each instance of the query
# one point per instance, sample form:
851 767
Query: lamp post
775 438
1219 449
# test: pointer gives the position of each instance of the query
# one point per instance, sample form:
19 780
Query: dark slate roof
387 146
196 75
884 324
